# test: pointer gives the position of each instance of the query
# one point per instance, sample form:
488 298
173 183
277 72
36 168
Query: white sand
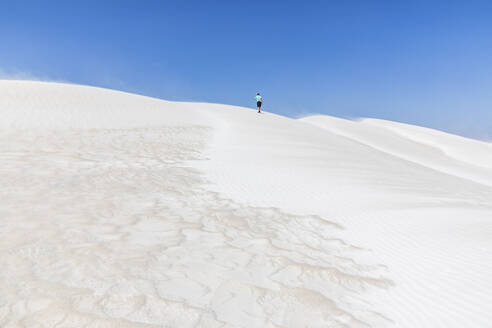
120 210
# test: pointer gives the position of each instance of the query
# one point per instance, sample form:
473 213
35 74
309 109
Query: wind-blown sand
119 210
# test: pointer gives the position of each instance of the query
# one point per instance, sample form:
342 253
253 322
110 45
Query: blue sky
420 62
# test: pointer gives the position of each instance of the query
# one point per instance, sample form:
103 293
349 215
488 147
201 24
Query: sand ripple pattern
111 228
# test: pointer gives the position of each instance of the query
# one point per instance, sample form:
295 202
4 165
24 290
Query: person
259 101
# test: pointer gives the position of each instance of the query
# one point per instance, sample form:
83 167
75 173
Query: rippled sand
111 228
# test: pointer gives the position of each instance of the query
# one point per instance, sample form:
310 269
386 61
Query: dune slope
121 210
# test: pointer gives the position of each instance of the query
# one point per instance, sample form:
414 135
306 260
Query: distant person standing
259 101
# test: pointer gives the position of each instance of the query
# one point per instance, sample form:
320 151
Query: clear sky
420 62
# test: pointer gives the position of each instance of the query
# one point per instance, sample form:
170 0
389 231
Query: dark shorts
258 104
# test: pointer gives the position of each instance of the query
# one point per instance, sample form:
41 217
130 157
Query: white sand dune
467 158
120 210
